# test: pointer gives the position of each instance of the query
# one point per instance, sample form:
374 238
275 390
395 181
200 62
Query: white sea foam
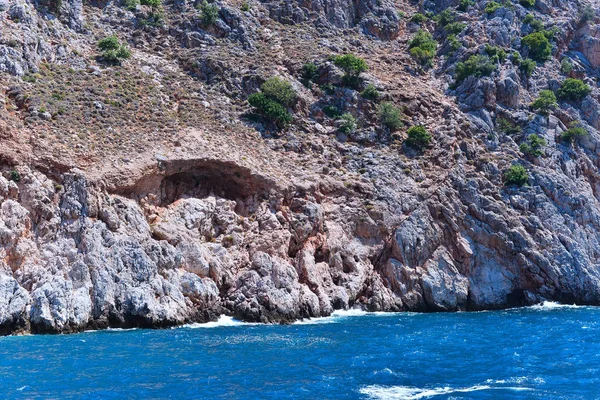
223 320
412 393
340 315
551 305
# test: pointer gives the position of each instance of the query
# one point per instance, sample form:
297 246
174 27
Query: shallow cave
202 182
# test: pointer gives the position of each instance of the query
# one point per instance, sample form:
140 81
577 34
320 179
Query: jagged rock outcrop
148 192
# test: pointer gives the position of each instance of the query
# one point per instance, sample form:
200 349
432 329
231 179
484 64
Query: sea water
541 352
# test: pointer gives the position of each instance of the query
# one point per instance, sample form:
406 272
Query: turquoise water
547 352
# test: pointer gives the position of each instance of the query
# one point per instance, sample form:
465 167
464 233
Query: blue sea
541 352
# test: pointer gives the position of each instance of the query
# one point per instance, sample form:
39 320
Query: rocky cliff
146 191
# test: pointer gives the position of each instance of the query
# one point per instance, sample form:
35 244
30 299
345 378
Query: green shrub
370 93
527 3
550 33
280 91
528 66
418 137
454 43
463 5
390 116
491 7
545 102
566 66
14 176
131 5
347 124
477 65
455 27
245 7
533 146
209 12
112 51
587 14
422 47
351 64
539 47
419 18
573 133
508 127
309 73
516 175
151 3
331 111
496 53
537 25
573 89
516 58
270 109
444 18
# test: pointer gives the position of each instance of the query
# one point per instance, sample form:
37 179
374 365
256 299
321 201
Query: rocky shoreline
77 257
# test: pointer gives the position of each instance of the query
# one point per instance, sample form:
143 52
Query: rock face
150 193
589 44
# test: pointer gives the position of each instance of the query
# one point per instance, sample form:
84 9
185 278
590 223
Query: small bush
418 137
270 109
422 47
539 47
131 5
528 66
280 91
476 65
463 5
516 175
390 116
112 51
545 102
14 176
331 111
497 54
347 124
419 18
491 7
508 127
533 146
351 64
209 12
151 3
444 18
370 93
573 89
573 133
566 66
516 58
529 18
245 7
454 43
455 27
527 3
587 14
309 73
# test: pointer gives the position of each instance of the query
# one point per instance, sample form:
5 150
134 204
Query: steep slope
149 192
